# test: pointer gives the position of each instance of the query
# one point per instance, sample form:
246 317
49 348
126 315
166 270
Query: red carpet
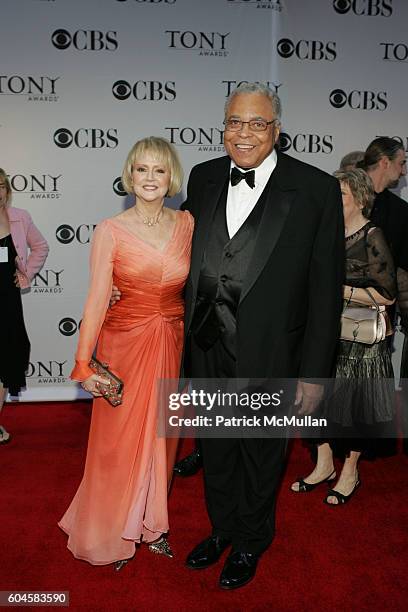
353 558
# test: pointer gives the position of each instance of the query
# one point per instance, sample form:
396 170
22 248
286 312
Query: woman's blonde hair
5 179
164 152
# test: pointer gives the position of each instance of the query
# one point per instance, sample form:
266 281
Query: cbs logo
85 40
118 187
369 8
65 234
145 90
306 143
359 100
307 49
68 326
86 138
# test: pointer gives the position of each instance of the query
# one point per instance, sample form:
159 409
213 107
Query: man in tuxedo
263 300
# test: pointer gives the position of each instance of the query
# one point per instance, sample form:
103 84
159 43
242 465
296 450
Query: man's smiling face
248 149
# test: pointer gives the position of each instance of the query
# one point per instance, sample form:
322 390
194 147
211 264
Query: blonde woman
145 251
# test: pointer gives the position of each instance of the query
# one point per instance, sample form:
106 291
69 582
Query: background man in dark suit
263 300
385 162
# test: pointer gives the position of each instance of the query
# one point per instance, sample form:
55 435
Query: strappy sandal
306 487
341 499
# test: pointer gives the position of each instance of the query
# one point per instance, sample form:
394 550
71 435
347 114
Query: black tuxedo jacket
289 311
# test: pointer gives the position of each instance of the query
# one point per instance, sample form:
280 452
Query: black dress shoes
189 465
239 569
207 552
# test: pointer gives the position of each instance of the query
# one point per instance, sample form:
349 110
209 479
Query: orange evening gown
122 498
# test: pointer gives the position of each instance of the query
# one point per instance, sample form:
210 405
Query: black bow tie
237 176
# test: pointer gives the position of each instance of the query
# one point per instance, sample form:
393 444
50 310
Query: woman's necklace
150 221
355 228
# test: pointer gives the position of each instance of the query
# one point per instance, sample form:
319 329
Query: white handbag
365 324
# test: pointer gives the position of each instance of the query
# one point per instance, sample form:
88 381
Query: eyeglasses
255 125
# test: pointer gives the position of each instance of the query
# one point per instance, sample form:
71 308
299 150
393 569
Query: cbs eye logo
338 98
68 326
285 47
342 6
285 142
63 138
61 39
118 187
65 234
121 90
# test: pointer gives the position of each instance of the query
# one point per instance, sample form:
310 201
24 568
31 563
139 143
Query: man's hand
308 396
115 296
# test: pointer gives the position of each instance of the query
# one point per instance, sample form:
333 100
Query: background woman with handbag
23 251
145 251
361 405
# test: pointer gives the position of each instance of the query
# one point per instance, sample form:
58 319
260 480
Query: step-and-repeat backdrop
82 80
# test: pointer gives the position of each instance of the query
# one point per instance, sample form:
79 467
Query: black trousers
241 476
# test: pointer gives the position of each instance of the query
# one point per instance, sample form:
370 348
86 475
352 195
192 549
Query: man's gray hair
256 88
350 161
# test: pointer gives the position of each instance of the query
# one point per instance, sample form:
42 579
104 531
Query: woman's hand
115 296
308 396
92 384
16 280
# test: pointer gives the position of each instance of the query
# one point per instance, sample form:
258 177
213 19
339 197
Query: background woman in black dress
23 251
362 405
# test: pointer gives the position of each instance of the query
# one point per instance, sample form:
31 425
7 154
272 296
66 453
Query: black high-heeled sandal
341 499
306 487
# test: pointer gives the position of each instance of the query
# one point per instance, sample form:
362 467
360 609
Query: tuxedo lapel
210 197
280 195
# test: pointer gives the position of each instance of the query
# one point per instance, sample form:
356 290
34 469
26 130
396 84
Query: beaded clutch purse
113 391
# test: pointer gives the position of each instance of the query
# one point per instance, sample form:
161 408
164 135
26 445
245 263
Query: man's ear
276 132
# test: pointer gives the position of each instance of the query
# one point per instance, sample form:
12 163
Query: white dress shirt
241 199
